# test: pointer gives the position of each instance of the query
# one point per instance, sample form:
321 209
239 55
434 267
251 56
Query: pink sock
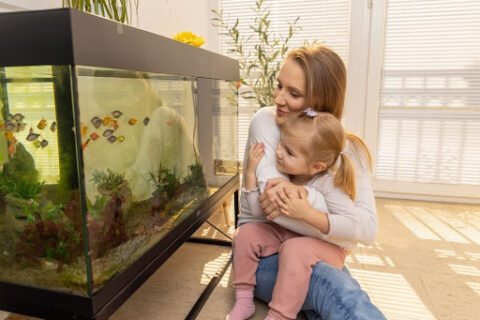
244 307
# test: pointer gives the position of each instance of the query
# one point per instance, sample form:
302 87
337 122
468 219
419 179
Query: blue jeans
333 294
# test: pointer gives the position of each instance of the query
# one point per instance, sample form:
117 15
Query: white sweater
349 222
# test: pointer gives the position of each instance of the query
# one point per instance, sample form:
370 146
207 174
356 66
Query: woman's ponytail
345 176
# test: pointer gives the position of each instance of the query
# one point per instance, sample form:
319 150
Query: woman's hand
270 198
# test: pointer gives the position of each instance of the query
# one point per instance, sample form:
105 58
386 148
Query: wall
164 17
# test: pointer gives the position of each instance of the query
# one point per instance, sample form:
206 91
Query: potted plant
258 69
117 10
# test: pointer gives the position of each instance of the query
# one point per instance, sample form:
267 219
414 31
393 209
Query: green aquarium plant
110 183
117 10
166 181
258 69
108 180
52 232
20 189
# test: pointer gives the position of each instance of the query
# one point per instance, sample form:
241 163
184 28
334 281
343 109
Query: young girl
310 153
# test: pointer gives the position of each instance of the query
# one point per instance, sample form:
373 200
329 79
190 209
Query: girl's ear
318 167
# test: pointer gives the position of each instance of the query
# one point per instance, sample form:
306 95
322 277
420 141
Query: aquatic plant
107 180
19 188
258 69
196 176
165 180
53 232
96 208
117 10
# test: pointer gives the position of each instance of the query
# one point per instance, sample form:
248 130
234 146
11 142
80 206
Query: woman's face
289 95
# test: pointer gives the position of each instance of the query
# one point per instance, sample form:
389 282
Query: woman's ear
318 167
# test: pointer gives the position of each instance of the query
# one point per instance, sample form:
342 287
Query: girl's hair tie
309 112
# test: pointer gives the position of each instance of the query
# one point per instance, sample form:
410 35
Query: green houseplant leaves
258 68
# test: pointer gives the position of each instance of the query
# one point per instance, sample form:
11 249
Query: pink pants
297 255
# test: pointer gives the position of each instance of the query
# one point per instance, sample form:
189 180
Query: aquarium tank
105 162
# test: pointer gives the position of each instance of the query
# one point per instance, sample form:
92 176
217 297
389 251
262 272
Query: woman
313 77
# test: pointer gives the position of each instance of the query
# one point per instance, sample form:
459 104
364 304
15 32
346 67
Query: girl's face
289 95
290 159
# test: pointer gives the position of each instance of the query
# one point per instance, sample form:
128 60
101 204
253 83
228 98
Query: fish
10 126
106 120
146 120
84 145
107 133
53 126
11 149
18 117
9 135
21 126
32 136
132 121
112 123
117 114
83 129
96 121
170 123
44 143
94 136
42 124
112 139
121 138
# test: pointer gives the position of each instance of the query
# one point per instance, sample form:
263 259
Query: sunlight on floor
475 286
409 221
393 295
465 270
211 268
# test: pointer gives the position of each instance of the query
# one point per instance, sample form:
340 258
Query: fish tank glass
99 164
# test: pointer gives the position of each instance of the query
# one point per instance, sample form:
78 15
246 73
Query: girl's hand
270 198
255 154
293 205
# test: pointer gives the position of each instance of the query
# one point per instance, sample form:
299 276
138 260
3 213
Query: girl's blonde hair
326 142
326 79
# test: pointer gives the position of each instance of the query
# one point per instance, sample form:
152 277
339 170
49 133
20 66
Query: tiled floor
425 265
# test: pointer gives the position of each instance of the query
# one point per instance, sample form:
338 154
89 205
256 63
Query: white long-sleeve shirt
349 222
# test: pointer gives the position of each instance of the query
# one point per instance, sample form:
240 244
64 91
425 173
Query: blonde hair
326 79
326 142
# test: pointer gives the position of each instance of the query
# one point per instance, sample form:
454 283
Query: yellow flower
189 38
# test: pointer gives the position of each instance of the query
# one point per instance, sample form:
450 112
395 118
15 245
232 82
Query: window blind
327 21
429 119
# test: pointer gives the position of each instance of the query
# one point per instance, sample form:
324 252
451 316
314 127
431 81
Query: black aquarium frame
71 37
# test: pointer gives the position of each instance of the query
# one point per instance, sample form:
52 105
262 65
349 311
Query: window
429 99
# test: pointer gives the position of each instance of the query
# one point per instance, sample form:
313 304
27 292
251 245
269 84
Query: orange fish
170 123
11 149
132 121
83 129
42 124
106 120
9 135
94 136
84 145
